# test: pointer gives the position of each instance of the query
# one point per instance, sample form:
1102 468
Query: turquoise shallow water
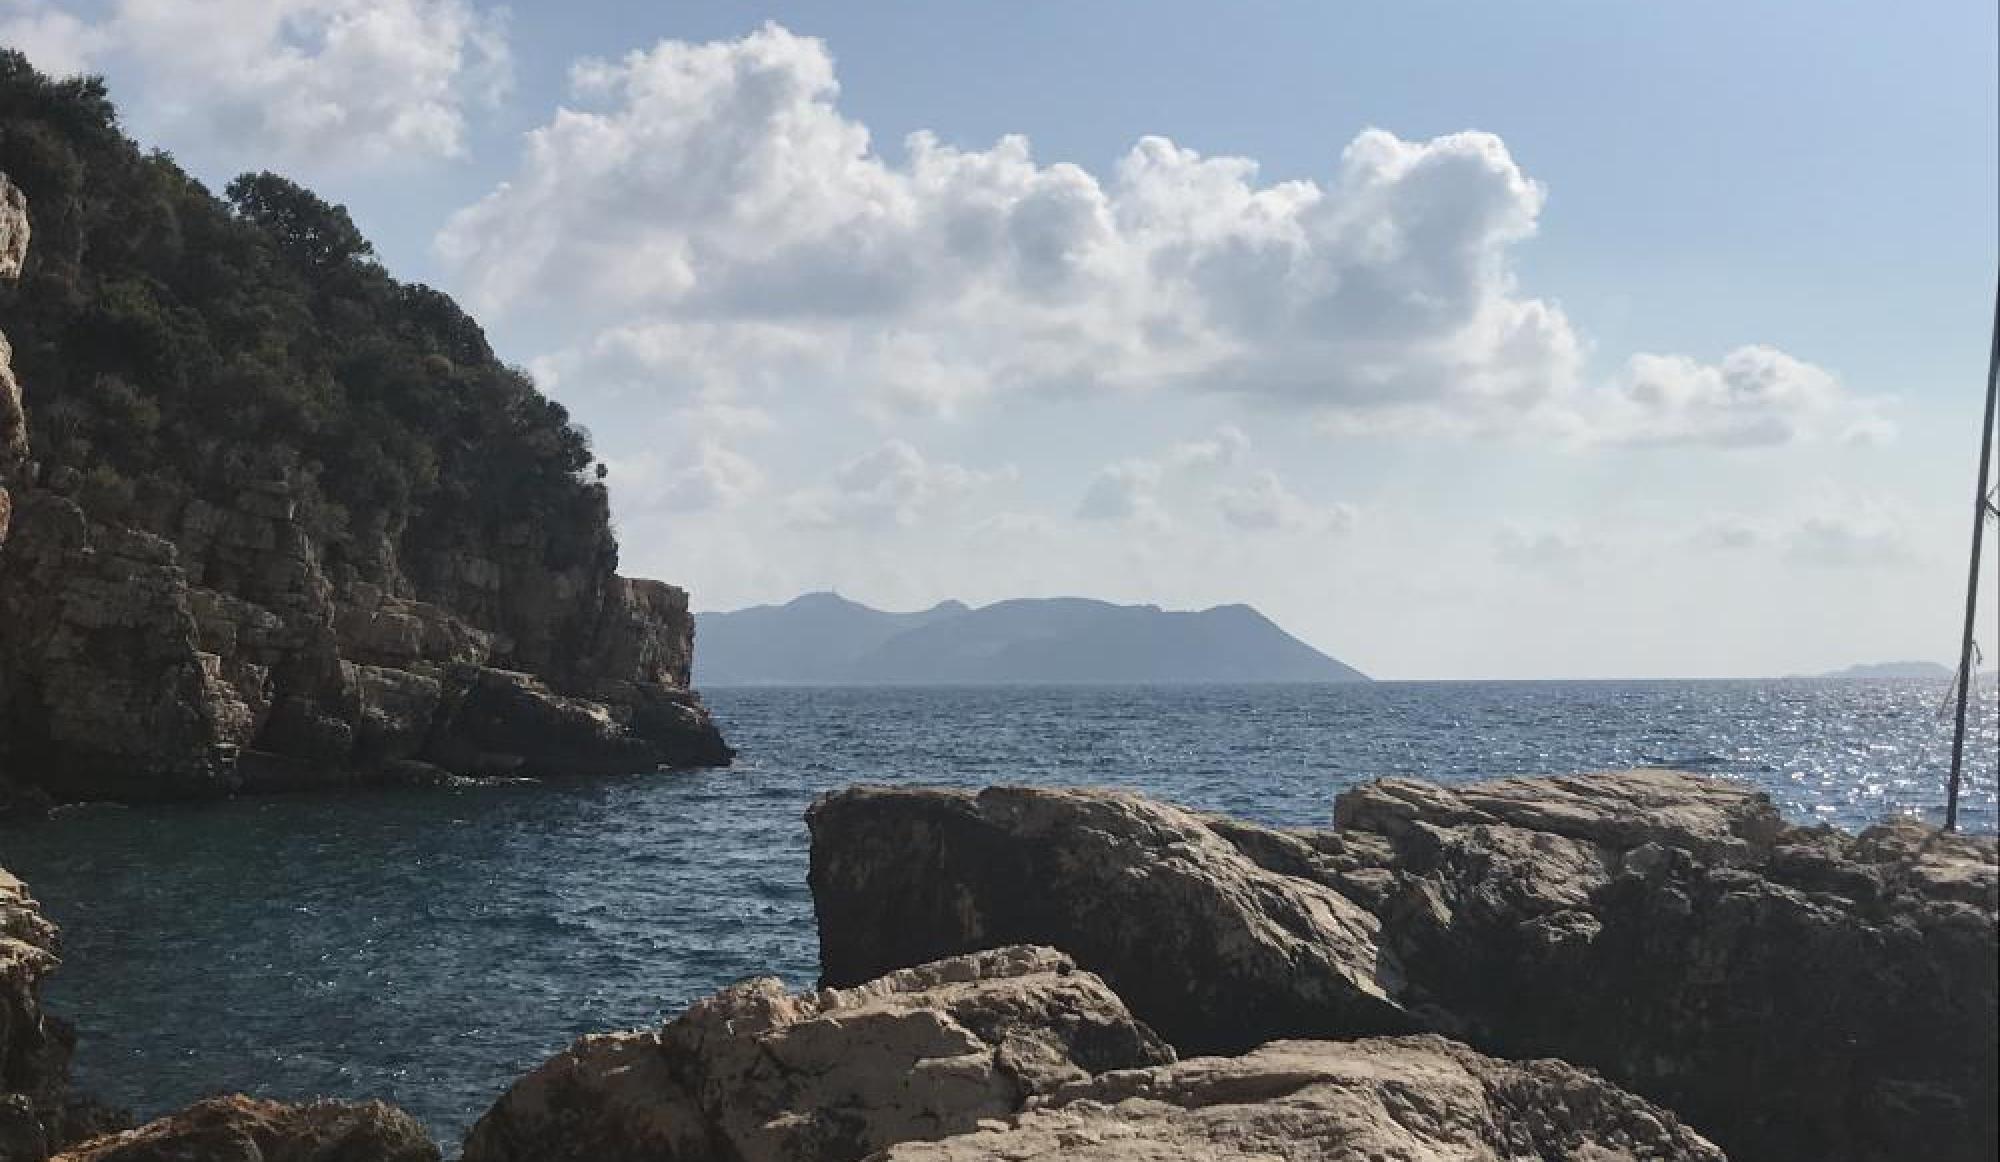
428 947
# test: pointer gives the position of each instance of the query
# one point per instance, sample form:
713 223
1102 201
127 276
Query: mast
1981 506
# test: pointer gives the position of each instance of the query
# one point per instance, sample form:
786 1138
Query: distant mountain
825 639
1873 670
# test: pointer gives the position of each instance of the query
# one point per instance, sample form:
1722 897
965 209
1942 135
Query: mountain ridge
822 638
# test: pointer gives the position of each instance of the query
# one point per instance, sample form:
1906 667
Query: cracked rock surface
759 1074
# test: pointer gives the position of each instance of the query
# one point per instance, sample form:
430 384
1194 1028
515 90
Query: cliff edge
270 519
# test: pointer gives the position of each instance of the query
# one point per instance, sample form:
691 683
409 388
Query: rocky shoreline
1632 965
208 649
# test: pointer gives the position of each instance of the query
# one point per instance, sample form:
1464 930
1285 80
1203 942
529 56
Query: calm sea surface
428 947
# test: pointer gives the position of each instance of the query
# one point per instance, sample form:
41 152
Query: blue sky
1673 371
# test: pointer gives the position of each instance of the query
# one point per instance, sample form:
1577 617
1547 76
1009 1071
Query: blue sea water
427 947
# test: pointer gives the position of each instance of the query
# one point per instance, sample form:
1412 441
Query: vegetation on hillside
175 345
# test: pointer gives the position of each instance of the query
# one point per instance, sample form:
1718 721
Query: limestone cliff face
13 418
37 1112
202 645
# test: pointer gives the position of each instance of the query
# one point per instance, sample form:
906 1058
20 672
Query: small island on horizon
825 639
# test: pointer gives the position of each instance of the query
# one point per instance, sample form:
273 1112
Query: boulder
243 1129
1413 1099
759 1074
1214 951
1795 993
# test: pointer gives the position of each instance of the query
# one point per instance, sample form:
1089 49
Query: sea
428 947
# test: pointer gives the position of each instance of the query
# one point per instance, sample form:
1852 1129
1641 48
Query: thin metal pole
1979 511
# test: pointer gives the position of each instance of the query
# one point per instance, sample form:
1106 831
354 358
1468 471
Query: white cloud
1755 395
715 197
58 41
304 82
1266 505
1542 548
1730 533
1861 534
892 484
707 475
1126 491
1144 492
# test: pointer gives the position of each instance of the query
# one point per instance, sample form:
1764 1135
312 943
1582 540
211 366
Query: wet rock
759 1074
1214 951
242 1129
1414 1098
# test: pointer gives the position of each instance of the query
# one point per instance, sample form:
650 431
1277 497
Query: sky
1548 339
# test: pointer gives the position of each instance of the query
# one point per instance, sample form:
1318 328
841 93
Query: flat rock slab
1410 1099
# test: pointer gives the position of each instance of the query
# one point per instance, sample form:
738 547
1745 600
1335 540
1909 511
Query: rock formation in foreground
757 1074
1794 993
285 522
1404 1098
242 1129
1215 952
1015 1053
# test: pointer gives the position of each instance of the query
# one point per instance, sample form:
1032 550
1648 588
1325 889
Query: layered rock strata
759 1074
38 1113
1403 1098
1214 951
242 1129
1794 993
211 651
1015 1053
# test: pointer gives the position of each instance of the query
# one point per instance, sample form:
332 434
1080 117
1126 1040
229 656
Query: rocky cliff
271 520
1793 993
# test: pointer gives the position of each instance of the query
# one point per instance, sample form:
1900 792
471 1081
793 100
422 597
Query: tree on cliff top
173 345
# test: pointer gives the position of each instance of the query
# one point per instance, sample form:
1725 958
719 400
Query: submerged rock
243 1129
759 1074
1794 993
1405 1098
1214 951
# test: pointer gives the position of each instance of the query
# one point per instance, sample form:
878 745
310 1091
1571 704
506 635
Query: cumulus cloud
308 82
713 198
706 475
1542 548
1131 490
1730 534
56 40
1755 395
1265 504
891 484
1144 492
1860 535
1125 491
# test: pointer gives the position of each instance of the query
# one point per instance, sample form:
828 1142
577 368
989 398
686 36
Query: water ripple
428 947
